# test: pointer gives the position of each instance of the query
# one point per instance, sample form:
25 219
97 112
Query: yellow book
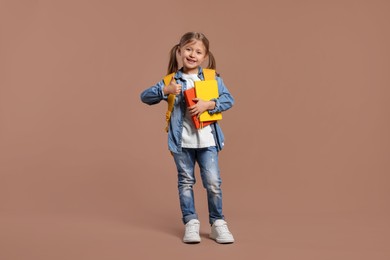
207 90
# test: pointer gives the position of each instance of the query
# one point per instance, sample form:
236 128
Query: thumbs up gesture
172 88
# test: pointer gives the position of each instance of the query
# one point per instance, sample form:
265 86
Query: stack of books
205 90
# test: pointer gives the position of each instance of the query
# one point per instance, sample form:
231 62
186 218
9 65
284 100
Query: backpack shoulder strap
168 78
171 100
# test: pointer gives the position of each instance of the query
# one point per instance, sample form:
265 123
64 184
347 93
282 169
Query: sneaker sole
223 241
197 241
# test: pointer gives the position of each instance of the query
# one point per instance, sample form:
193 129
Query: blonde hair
173 65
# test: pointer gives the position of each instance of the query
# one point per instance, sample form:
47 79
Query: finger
193 113
173 80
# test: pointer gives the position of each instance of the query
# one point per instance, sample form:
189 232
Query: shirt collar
179 73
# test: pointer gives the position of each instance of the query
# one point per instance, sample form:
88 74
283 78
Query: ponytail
212 64
173 66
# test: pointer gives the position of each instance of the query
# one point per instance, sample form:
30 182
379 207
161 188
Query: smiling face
192 55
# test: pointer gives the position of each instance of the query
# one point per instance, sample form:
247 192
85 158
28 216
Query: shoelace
192 229
223 229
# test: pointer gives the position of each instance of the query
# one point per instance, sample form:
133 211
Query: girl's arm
154 94
225 99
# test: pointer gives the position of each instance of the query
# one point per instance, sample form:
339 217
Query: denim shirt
154 95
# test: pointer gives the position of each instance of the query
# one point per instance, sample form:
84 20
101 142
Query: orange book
190 94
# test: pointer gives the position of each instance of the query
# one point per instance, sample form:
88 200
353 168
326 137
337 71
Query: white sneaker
191 233
220 232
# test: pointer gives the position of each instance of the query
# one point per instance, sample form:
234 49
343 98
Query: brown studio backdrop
84 167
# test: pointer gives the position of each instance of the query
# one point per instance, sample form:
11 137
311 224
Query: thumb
195 100
173 80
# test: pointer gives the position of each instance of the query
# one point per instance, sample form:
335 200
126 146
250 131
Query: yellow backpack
209 74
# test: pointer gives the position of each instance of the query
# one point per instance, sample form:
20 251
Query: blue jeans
207 159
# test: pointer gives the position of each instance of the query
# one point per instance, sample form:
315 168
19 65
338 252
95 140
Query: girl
189 145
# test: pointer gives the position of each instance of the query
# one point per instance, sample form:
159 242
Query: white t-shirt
192 137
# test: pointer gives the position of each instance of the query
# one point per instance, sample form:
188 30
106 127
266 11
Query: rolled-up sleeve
154 94
225 100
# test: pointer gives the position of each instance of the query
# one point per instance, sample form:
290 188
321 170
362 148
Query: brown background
85 171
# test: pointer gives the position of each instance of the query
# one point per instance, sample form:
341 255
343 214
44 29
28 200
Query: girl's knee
214 189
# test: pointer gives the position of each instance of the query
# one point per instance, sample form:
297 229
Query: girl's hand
172 88
200 106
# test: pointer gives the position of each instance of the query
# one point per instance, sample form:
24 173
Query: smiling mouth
191 61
